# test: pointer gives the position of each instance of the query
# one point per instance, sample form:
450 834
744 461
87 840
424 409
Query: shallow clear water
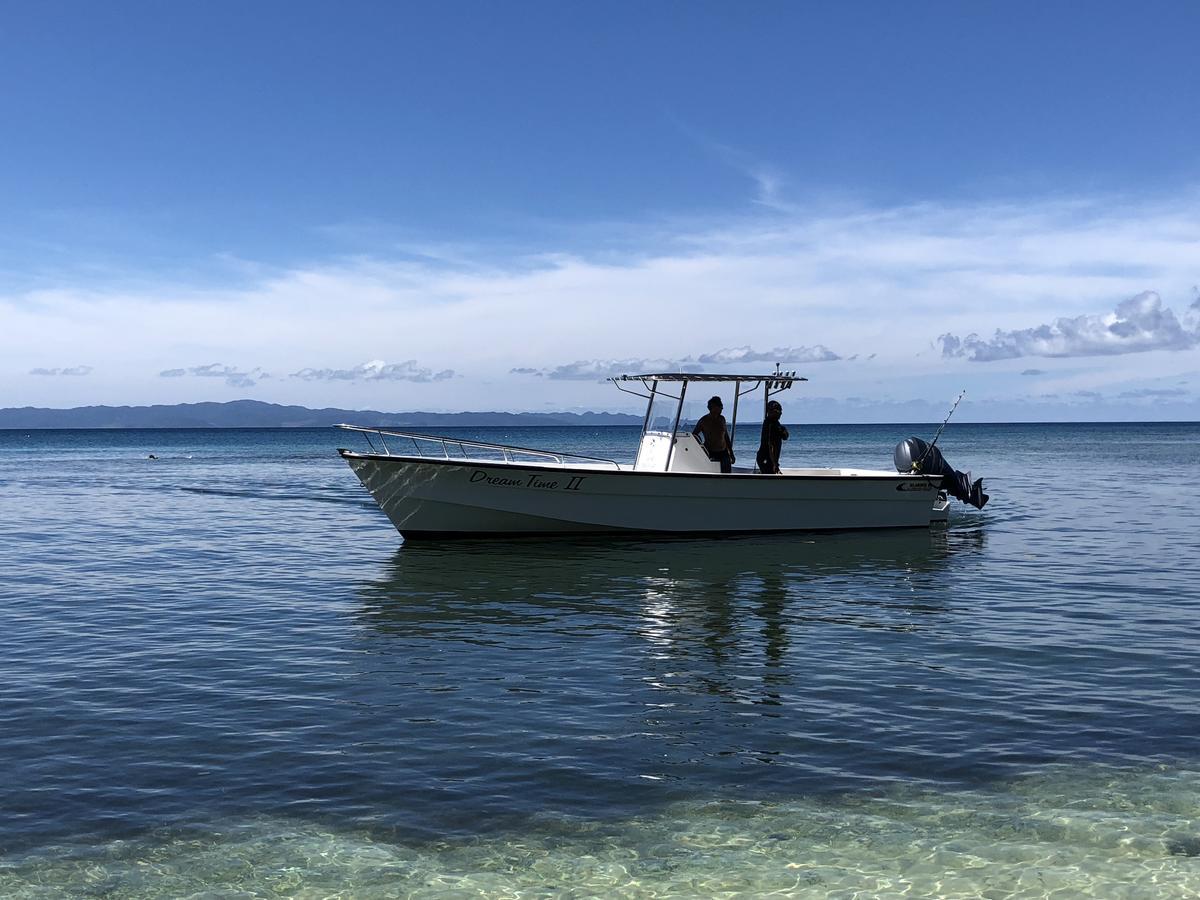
222 671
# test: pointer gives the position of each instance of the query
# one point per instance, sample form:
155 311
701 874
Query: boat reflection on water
670 590
561 568
653 661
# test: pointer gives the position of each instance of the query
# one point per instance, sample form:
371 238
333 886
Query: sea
224 674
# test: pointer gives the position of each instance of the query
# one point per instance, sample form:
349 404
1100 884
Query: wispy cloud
768 179
769 183
377 370
1033 372
1137 325
233 376
69 370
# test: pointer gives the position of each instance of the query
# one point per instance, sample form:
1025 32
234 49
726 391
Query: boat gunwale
866 474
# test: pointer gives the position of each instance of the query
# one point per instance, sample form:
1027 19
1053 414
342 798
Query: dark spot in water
1188 846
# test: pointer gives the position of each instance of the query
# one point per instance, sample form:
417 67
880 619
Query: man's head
715 405
774 408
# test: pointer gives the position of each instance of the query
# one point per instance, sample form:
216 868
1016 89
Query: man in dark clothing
773 436
714 434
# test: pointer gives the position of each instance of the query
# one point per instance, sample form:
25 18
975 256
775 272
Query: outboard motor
914 455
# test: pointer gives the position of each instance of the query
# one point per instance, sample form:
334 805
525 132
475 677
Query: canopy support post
675 427
737 388
649 407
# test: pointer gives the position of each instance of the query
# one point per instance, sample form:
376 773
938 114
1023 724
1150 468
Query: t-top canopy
707 376
774 383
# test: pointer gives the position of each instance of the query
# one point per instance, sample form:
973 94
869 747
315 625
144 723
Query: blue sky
483 205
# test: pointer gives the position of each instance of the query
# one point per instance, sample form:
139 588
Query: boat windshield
661 415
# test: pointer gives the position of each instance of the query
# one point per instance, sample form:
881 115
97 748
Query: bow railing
445 444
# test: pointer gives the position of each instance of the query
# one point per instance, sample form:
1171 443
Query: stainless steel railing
505 452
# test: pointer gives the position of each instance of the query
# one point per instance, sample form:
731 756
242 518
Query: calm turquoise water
221 671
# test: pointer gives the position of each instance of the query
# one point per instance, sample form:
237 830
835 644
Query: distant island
256 414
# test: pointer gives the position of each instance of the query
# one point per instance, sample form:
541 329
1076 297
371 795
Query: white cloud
1139 324
233 376
781 355
376 370
69 370
600 369
1153 394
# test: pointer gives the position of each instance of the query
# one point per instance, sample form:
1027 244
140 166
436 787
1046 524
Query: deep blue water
221 669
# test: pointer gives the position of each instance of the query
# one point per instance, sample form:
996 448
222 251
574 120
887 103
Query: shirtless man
714 434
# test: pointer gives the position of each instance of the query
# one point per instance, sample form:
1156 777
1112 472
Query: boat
436 486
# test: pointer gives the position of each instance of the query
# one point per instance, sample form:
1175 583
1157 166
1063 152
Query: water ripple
223 668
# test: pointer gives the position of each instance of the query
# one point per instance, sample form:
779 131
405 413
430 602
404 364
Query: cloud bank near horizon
373 370
877 284
601 369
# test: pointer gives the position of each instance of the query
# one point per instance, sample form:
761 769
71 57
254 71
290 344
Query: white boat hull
426 497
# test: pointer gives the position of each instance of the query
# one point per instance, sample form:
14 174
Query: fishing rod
929 449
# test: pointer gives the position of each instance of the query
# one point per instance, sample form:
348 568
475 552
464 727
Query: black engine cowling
914 455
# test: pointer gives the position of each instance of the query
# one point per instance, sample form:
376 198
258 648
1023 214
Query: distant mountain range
256 414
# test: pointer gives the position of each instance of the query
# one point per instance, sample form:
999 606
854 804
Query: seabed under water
1096 832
